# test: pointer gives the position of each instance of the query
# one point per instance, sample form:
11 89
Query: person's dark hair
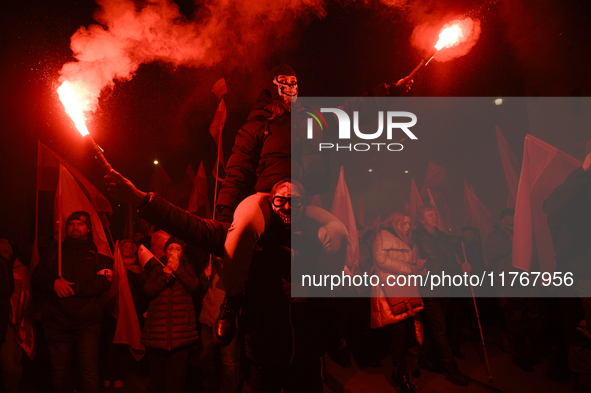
469 228
277 109
506 212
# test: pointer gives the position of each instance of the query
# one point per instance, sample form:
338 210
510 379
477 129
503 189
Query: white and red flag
199 200
440 224
476 214
544 167
217 124
436 181
343 210
510 167
415 202
69 198
316 201
21 303
361 213
48 172
119 303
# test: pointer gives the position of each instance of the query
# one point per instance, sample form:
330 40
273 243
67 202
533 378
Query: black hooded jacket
262 152
80 264
275 330
569 217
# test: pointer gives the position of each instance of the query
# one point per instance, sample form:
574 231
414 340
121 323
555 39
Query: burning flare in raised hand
72 97
449 36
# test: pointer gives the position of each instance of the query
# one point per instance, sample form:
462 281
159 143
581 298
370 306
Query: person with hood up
266 151
171 324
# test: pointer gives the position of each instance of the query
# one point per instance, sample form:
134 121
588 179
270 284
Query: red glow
449 36
72 97
456 38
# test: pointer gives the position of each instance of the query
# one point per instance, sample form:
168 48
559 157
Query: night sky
531 48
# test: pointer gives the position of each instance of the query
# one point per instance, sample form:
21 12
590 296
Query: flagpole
59 242
217 173
490 378
36 244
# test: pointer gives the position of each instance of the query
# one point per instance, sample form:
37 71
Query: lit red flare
72 97
449 36
75 98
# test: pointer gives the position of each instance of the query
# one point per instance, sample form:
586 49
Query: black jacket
80 264
439 252
275 330
569 217
6 290
262 152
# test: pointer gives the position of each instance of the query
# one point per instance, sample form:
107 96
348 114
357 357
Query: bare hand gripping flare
75 107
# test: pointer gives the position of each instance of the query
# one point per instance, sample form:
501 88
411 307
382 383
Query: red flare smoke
456 38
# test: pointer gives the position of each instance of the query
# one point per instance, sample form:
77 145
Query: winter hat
174 240
281 69
506 212
81 216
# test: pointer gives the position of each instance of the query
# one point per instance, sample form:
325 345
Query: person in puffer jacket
395 307
171 325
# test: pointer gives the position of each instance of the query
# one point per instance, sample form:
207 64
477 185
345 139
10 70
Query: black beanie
174 240
281 69
81 216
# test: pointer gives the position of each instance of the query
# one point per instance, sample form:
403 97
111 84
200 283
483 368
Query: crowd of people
234 311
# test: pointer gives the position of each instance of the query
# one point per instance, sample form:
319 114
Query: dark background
526 48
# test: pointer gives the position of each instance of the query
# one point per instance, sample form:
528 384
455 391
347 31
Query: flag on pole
199 200
316 201
144 255
544 167
478 216
415 202
440 224
119 303
510 166
128 230
159 181
69 198
49 168
158 240
21 303
343 210
48 172
217 125
361 213
467 211
436 181
179 194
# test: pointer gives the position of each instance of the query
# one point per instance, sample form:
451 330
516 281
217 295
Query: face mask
287 88
286 207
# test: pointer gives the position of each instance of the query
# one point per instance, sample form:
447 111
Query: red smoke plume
128 36
425 36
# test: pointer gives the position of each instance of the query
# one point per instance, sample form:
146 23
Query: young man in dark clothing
438 250
72 307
